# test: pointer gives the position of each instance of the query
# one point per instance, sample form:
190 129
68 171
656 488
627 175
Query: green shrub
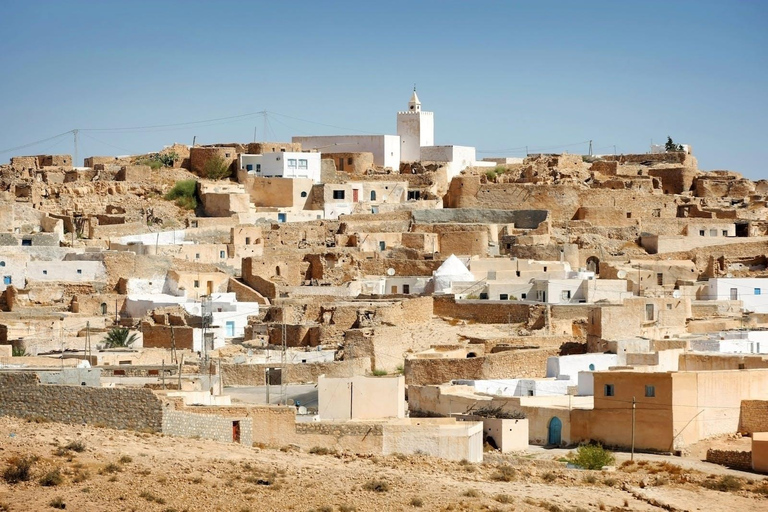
379 373
18 469
216 168
51 478
184 194
591 456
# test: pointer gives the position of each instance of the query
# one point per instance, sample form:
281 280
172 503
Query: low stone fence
208 426
731 459
22 395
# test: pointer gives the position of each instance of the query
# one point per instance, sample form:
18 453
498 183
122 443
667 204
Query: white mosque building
414 142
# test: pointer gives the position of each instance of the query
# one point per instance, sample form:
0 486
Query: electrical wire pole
74 132
634 407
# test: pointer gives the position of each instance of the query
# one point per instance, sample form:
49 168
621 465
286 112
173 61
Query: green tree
120 337
671 147
216 168
591 456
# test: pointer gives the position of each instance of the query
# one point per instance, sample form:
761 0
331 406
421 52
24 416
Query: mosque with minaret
416 128
414 142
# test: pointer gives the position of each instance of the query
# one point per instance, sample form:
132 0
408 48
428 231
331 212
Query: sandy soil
128 471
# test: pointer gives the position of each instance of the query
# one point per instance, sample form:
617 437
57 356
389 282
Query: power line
36 142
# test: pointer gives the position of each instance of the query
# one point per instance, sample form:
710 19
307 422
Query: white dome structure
451 271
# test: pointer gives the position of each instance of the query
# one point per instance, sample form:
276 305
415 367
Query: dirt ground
129 471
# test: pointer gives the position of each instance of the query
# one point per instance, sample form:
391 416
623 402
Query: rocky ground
128 471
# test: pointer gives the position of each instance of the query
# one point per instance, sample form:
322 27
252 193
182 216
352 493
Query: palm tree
120 337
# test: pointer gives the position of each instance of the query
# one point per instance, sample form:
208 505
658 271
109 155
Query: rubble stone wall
731 458
754 416
136 409
254 374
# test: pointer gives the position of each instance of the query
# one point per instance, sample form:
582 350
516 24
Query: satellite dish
390 271
676 294
621 274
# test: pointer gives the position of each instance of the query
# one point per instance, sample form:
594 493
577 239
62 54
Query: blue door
281 217
555 426
230 329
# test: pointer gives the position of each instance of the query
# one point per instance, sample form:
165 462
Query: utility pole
634 406
74 132
614 150
194 138
266 378
590 148
88 341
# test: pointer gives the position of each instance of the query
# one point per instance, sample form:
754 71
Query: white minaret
416 128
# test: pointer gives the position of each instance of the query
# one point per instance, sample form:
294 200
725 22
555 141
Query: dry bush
52 478
505 473
726 483
504 498
417 502
376 486
18 469
471 493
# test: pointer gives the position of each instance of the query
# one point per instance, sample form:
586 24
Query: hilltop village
379 294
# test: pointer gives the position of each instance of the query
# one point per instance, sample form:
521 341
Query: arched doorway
555 428
103 308
593 264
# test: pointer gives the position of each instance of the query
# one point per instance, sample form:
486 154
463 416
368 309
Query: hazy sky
497 75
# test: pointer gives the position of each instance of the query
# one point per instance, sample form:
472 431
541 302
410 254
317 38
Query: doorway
235 431
555 428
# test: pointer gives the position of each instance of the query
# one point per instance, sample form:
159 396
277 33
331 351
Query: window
712 232
382 245
650 391
26 242
193 224
591 367
2 263
725 232
226 155
406 289
338 194
197 255
45 272
701 232
649 312
503 296
566 294
414 195
304 193
80 271
545 269
258 167
524 296
373 195
349 161
197 284
303 164
757 291
222 254
247 240
669 307
608 390
291 163
7 280
659 279
484 296
249 167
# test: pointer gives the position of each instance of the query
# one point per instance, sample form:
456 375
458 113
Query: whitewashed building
283 164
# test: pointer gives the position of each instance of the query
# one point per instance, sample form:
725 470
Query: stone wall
482 311
254 374
136 409
206 426
731 458
503 365
754 416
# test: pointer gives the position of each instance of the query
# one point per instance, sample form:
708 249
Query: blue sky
498 75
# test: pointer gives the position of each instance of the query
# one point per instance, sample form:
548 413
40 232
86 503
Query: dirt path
127 471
